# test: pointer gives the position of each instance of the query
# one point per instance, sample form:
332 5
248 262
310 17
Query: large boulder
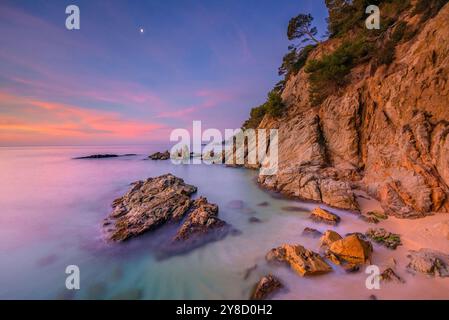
303 261
266 287
149 204
351 249
429 262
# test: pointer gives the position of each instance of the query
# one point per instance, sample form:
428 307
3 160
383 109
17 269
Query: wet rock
149 204
160 156
329 237
390 275
254 220
248 272
373 216
321 215
293 209
429 262
382 236
311 232
104 156
303 261
266 287
351 249
263 204
201 220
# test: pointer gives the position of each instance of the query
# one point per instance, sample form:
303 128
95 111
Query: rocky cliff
386 132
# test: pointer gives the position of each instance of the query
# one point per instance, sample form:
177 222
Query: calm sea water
51 215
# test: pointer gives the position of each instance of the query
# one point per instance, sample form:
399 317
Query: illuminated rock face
386 132
305 262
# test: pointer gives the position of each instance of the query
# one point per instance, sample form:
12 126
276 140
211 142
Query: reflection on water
52 212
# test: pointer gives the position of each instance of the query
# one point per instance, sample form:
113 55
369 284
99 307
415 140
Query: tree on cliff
300 27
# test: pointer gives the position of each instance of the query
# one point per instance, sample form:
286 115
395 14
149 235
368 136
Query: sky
109 83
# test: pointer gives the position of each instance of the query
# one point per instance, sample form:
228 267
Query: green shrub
273 106
293 61
332 69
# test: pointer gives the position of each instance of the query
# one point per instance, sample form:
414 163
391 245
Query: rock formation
160 156
350 250
386 132
300 259
156 201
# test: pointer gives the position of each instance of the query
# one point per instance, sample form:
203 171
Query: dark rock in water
294 209
254 220
158 201
236 204
149 204
311 232
160 156
265 287
103 156
202 219
263 204
429 262
382 236
249 271
389 275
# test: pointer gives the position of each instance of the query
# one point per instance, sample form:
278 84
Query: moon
141 30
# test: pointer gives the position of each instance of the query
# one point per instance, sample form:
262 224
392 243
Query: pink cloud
61 121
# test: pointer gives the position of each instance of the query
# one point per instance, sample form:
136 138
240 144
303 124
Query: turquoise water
52 209
52 212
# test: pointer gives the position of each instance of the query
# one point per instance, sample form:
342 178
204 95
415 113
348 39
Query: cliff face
386 132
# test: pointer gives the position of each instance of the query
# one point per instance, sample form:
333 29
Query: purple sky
108 83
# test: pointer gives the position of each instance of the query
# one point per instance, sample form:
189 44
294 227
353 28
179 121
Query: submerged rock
103 156
266 287
149 204
303 261
160 156
351 250
201 220
254 220
382 236
293 209
329 237
249 271
321 215
429 262
311 232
